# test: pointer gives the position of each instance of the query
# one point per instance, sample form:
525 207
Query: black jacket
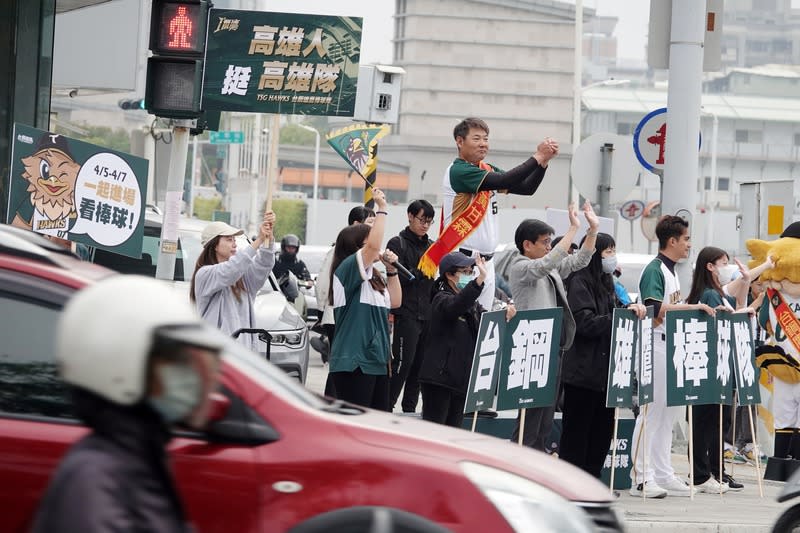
286 263
417 293
453 331
585 364
114 479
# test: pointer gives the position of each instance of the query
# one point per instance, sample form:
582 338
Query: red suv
277 457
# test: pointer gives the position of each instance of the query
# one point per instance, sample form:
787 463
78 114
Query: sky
376 46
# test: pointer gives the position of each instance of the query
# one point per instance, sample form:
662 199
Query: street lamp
316 184
576 117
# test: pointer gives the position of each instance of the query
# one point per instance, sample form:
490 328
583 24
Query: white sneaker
712 486
676 487
649 489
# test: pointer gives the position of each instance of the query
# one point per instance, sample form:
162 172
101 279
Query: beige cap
216 229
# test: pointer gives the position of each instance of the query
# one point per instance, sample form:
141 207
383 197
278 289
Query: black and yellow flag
358 145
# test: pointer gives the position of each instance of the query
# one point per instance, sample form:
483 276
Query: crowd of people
435 312
387 334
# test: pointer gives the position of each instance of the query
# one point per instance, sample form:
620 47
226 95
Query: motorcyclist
138 360
288 261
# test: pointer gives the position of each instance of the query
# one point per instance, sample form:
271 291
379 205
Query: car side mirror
219 406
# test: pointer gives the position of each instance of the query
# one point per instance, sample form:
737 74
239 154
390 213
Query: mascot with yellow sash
780 316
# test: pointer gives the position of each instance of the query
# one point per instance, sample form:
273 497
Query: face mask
463 280
726 273
181 392
609 264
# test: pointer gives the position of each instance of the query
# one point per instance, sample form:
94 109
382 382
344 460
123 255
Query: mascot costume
780 316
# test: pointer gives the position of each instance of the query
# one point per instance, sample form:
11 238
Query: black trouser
705 441
406 361
587 427
538 426
330 330
362 389
442 405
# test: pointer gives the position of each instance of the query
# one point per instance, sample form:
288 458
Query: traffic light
131 105
175 70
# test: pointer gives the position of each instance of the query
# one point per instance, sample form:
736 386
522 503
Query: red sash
786 318
461 226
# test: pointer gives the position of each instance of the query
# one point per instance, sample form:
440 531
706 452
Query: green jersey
362 320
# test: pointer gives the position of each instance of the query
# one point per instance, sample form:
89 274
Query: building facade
509 62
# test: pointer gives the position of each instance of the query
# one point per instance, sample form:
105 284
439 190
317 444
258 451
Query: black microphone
403 270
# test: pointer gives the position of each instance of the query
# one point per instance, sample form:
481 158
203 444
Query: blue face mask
181 394
463 280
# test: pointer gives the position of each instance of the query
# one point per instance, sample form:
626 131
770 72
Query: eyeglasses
546 242
424 221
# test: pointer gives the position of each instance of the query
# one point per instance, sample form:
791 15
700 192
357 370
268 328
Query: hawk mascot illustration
51 173
780 316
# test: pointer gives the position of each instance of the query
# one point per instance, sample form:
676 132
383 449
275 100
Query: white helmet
106 332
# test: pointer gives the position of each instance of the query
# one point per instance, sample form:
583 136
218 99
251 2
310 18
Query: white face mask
609 264
181 392
726 273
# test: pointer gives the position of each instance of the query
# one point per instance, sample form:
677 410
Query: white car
288 348
313 256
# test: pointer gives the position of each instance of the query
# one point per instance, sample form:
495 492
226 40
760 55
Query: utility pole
168 250
679 194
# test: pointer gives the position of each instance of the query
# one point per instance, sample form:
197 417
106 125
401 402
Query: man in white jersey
470 207
659 287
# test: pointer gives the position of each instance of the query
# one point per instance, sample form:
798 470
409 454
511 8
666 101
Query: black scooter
790 519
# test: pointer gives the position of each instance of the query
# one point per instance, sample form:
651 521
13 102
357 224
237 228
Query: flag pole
474 419
691 455
614 447
521 426
644 450
756 452
721 447
733 429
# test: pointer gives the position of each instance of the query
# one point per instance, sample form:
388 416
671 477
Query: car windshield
270 377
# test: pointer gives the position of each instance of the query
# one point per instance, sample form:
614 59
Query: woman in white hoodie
226 280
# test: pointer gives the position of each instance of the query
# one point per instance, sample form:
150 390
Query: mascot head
51 173
785 253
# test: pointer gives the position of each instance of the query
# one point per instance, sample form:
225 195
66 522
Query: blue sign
650 140
226 137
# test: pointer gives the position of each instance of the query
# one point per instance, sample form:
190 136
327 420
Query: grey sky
376 43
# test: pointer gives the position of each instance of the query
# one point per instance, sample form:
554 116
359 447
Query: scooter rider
139 360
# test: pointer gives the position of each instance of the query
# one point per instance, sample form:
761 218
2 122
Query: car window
269 376
29 382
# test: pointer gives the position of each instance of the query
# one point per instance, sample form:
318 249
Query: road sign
650 140
632 209
226 137
587 164
284 63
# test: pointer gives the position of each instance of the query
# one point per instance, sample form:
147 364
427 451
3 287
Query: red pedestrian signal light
174 72
178 27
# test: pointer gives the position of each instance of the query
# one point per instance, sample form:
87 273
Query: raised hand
480 263
591 216
572 212
380 198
